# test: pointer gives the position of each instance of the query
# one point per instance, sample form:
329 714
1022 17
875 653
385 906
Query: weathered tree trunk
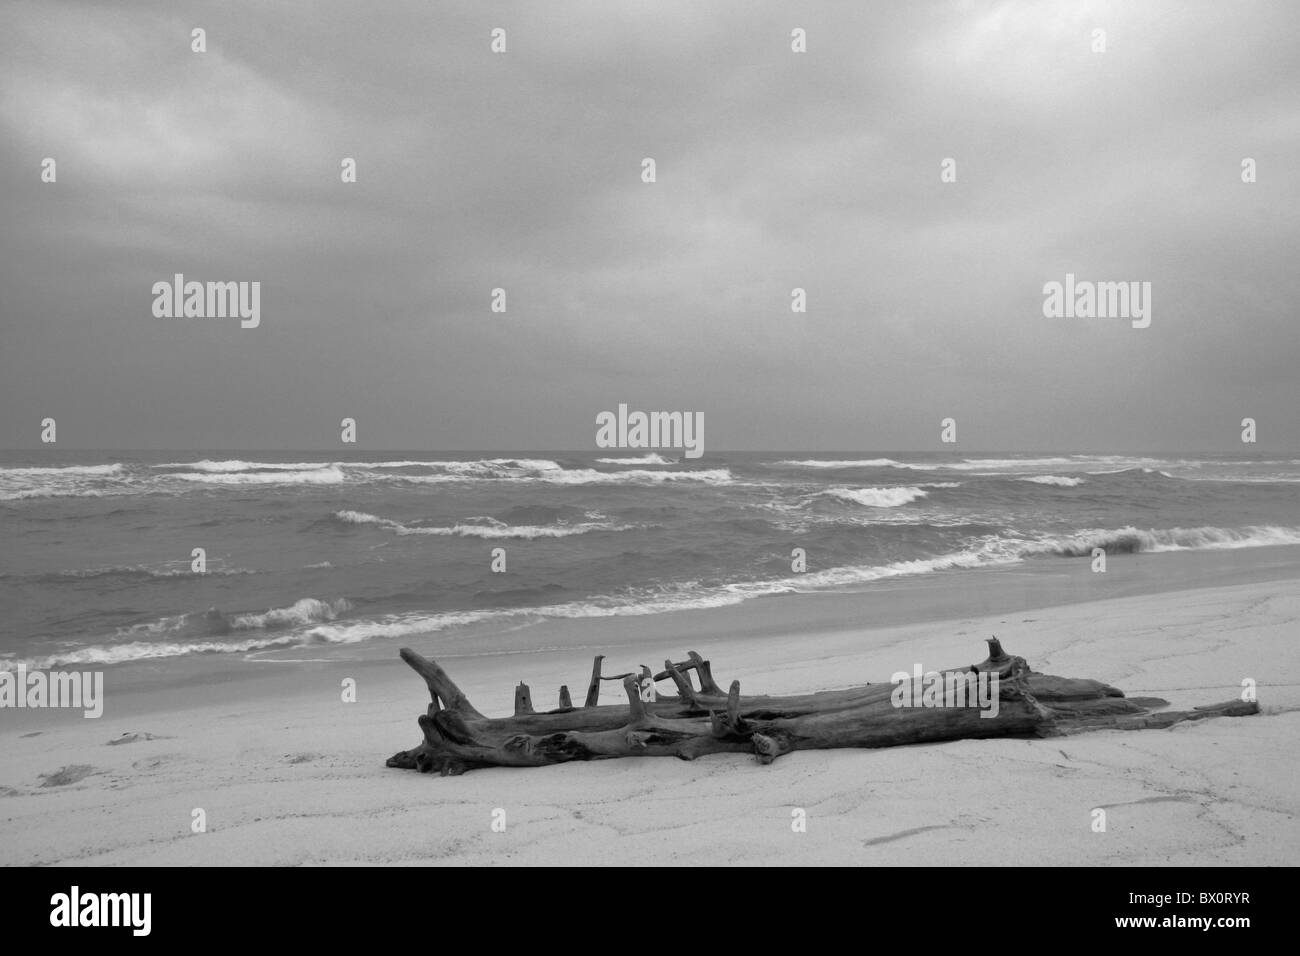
1016 702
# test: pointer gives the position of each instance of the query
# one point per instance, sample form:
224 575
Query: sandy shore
286 773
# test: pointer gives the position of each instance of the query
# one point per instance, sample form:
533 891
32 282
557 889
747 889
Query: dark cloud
775 170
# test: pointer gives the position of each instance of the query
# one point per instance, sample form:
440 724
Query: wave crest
878 497
1058 480
1131 540
491 529
650 459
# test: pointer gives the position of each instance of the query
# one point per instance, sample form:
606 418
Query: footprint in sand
130 738
153 763
66 775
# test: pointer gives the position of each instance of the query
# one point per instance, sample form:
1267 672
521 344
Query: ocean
306 551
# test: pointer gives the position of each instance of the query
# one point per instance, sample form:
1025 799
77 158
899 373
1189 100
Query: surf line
624 429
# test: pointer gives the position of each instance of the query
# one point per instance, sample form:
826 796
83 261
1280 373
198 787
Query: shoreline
279 763
948 596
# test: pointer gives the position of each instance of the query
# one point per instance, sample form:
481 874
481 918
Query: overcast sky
775 170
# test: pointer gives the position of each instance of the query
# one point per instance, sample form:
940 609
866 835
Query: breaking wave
491 529
326 475
1132 540
66 470
1058 480
650 459
877 497
845 463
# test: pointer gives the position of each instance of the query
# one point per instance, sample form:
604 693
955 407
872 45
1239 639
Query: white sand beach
288 774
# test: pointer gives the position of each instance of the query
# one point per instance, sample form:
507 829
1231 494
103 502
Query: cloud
776 170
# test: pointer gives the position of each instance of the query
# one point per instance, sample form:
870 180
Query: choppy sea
97 566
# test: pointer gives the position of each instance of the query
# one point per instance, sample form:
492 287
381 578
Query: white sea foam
588 476
325 475
650 459
104 654
487 464
1058 480
481 466
62 471
1130 540
212 622
493 529
989 466
64 492
235 465
68 481
877 497
848 463
304 611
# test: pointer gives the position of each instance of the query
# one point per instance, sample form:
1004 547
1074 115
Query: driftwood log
703 719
